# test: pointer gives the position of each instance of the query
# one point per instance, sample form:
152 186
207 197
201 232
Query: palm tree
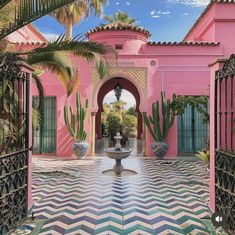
120 17
53 56
25 12
72 14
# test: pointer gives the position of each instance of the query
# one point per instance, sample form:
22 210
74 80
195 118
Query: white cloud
185 14
156 16
51 37
193 3
117 3
163 12
128 3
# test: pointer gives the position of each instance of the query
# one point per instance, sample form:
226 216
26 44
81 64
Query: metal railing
14 123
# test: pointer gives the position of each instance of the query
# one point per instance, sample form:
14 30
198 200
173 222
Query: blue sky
167 20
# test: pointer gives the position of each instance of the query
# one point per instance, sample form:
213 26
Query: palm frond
109 19
28 11
36 117
74 82
4 3
97 6
40 91
77 46
102 66
71 13
120 17
204 156
57 62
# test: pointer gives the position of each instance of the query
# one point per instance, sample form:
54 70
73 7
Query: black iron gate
225 142
14 123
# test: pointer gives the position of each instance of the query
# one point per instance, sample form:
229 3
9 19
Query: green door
44 138
192 133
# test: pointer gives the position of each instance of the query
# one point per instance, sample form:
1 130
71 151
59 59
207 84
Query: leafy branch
27 11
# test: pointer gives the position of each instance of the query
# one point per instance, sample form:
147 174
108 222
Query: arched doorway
103 91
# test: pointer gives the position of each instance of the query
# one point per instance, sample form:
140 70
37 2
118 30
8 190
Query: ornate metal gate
14 123
225 142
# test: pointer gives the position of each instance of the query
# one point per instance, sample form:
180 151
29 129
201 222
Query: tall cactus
153 122
75 126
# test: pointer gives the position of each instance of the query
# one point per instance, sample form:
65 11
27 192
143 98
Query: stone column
93 117
144 136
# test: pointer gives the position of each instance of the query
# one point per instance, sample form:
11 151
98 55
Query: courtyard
122 125
74 197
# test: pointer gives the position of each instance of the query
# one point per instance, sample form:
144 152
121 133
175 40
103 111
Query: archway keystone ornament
137 75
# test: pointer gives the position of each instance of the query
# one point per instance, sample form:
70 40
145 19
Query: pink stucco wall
217 25
54 88
182 70
179 69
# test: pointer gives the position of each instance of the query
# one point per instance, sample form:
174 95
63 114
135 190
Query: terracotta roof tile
30 43
119 26
212 2
187 43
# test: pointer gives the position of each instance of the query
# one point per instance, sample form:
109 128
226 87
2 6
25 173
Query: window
119 47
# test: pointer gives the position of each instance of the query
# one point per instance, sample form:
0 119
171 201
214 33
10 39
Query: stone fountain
118 153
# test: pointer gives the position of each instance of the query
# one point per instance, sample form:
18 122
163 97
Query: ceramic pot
80 149
160 149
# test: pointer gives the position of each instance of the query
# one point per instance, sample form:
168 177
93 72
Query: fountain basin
118 153
114 154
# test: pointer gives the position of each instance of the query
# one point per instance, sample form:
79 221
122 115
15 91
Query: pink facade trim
27 35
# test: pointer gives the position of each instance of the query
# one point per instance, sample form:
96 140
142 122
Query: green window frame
44 138
192 133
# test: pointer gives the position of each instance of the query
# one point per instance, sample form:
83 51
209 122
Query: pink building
145 68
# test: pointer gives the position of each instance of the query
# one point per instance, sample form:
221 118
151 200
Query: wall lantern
118 91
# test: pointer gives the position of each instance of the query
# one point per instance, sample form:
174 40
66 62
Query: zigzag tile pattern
158 200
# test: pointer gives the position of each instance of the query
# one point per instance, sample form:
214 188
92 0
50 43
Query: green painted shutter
192 133
44 139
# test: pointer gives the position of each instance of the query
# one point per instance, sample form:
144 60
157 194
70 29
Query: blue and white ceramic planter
80 149
160 149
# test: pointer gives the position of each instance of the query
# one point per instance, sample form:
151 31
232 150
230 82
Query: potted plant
75 127
159 134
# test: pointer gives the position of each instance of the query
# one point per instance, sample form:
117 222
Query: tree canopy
122 17
116 118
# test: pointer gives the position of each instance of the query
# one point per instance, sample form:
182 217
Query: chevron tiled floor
76 198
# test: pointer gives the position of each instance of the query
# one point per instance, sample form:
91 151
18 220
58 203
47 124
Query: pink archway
107 87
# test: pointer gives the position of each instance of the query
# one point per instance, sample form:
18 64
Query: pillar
144 137
93 118
214 67
139 126
98 128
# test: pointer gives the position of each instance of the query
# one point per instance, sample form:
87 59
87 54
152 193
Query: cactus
153 122
75 126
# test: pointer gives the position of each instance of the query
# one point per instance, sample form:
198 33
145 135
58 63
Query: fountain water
118 153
